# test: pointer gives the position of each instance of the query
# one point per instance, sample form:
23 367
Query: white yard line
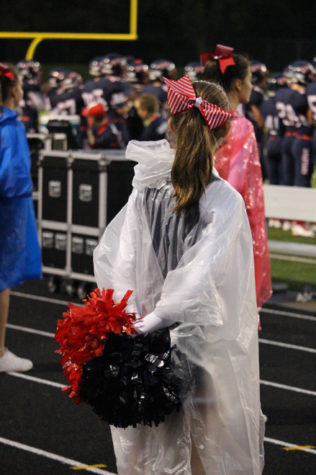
39 298
65 303
262 381
30 330
37 380
301 316
287 345
52 456
287 388
261 340
287 444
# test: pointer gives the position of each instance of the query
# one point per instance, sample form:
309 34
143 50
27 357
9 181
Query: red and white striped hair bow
182 97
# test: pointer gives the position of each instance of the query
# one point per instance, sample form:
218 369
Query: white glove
151 323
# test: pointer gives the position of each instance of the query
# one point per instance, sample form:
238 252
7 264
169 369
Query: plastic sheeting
197 270
237 161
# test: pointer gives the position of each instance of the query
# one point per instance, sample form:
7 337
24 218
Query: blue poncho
20 257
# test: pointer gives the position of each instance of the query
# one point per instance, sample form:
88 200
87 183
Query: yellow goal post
37 37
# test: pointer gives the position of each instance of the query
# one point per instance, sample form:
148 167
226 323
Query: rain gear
195 269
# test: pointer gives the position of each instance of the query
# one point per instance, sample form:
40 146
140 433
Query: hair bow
5 71
182 97
223 54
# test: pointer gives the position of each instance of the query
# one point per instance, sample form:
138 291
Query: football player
33 100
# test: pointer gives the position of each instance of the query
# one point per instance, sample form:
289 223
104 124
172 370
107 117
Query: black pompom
139 379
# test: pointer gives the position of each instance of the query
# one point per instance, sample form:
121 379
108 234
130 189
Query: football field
43 432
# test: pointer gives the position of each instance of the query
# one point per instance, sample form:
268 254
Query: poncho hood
154 160
6 115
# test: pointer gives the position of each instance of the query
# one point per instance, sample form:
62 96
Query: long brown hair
195 145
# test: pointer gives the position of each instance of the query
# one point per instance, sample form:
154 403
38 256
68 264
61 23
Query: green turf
295 274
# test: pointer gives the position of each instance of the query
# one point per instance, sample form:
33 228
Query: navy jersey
300 106
29 117
66 103
157 91
33 96
311 98
271 118
284 105
100 91
95 92
120 123
106 136
156 130
257 98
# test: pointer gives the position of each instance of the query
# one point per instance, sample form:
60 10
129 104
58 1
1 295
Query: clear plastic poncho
237 161
195 269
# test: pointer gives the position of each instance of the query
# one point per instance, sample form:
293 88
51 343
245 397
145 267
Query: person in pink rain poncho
237 159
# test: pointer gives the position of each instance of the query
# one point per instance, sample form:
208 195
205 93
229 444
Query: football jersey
106 136
157 91
66 103
156 130
311 98
300 107
284 105
271 118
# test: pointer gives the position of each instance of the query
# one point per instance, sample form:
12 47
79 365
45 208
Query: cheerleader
20 257
237 160
183 245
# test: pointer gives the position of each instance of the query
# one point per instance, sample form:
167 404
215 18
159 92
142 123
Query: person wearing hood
20 257
183 245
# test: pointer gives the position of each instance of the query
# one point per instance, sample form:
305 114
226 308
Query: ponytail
193 162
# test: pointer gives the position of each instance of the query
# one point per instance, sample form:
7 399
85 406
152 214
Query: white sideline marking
65 302
37 380
30 330
39 298
287 388
287 444
287 345
50 455
261 340
281 257
262 381
288 314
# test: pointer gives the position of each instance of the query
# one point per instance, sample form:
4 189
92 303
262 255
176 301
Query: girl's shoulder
221 197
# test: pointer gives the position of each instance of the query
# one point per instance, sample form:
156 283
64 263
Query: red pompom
82 331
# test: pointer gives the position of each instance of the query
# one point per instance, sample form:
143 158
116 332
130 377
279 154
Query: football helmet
113 64
300 72
137 71
95 66
29 70
56 76
162 68
259 71
71 80
194 70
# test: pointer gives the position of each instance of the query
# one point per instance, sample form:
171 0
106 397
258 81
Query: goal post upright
37 37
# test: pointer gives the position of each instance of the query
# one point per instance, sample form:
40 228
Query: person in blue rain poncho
20 257
183 245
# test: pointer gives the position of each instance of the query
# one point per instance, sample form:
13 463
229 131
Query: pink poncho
237 161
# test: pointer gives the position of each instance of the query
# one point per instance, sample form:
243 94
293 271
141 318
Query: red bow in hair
5 71
182 97
224 56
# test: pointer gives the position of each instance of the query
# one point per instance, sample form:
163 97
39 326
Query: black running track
42 432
